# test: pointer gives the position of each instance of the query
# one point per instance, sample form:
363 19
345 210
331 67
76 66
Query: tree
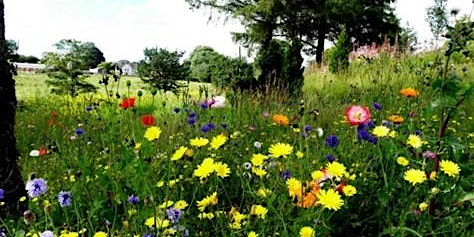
202 59
10 176
437 17
162 69
84 55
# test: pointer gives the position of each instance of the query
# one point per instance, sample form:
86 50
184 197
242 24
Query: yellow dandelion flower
415 176
205 168
392 134
258 159
307 231
299 154
178 154
252 234
263 192
152 133
280 149
336 169
205 215
181 204
381 131
259 171
259 210
415 141
423 206
402 161
150 222
317 175
218 141
100 234
166 204
210 200
295 188
221 169
450 168
349 190
330 199
199 142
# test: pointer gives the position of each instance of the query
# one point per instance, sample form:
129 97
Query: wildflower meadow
379 150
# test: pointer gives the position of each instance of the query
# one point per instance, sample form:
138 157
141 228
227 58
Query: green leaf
20 233
468 198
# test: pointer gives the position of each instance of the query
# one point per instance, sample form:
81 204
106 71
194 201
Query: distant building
29 67
129 69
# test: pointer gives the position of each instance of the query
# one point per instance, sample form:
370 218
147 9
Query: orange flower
280 119
409 92
396 119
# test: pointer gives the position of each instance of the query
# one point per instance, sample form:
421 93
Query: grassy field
261 166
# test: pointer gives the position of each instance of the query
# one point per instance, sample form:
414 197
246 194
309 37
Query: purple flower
176 109
149 235
64 198
377 106
224 126
133 199
332 141
89 108
205 128
2 193
204 105
191 120
286 174
362 134
418 132
173 214
192 115
372 140
387 123
307 128
79 131
330 158
36 187
429 155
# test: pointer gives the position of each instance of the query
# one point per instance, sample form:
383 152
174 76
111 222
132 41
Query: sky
122 29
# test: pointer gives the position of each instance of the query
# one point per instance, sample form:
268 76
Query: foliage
203 59
162 69
407 39
69 80
84 55
339 57
437 17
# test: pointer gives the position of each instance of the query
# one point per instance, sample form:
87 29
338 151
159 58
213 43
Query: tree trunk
322 30
10 176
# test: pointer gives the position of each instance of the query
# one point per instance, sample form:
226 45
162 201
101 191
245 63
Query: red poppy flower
127 103
43 151
357 114
148 120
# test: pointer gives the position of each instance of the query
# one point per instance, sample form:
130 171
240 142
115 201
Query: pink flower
357 115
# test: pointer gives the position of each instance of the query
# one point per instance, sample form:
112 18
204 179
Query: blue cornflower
149 235
330 158
204 105
332 141
64 198
176 109
377 106
36 187
79 131
89 108
286 174
133 199
173 214
307 128
191 120
362 134
2 193
224 126
373 140
192 115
